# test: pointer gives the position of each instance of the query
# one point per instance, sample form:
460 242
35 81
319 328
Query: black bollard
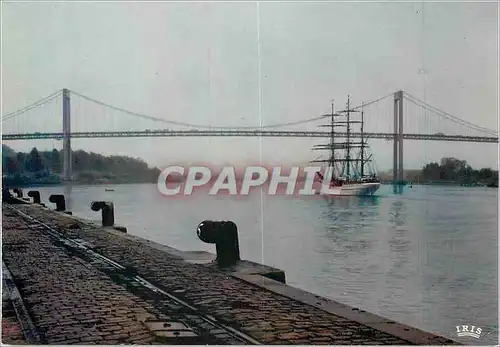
122 229
19 192
35 194
59 201
225 236
6 195
108 212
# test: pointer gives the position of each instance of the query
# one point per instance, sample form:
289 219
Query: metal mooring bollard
6 195
59 200
108 212
225 236
35 194
19 192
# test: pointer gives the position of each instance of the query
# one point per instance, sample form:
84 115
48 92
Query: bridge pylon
67 160
397 170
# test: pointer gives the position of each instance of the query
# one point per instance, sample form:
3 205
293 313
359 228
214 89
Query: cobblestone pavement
69 301
266 316
11 329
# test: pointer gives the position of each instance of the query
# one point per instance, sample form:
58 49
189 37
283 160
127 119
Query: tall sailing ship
352 172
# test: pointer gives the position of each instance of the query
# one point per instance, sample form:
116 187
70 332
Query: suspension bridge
409 118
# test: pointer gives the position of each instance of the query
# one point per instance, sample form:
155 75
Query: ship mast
348 138
332 145
346 145
332 140
362 143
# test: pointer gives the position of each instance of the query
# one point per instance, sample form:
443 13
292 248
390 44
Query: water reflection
397 213
351 212
349 221
397 189
399 238
68 194
350 201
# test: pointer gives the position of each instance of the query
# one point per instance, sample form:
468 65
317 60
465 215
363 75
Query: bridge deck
245 133
84 284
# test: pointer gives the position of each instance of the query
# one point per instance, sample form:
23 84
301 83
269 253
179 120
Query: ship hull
352 189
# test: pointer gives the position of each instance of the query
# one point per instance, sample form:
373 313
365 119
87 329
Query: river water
427 256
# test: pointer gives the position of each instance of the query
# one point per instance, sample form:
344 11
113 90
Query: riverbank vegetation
453 170
450 171
45 167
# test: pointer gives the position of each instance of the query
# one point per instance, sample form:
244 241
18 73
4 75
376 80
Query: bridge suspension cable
32 105
277 125
448 116
372 102
190 124
208 126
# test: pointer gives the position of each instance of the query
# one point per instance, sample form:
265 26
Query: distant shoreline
97 183
76 182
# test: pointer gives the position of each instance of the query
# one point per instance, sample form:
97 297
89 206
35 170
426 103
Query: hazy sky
227 63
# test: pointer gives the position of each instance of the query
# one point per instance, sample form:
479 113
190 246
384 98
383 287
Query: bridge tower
397 171
67 160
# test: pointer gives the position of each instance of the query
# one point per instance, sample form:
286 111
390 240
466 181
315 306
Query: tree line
87 167
453 170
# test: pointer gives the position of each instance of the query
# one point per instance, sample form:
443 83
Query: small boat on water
348 167
109 190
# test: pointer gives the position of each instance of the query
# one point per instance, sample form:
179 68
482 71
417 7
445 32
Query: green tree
35 163
22 160
455 170
10 165
88 167
55 160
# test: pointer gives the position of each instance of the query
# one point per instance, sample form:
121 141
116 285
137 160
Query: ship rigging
352 173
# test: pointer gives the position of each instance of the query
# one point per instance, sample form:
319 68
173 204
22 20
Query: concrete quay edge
259 277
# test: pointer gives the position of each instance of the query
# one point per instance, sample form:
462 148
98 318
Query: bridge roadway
245 133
